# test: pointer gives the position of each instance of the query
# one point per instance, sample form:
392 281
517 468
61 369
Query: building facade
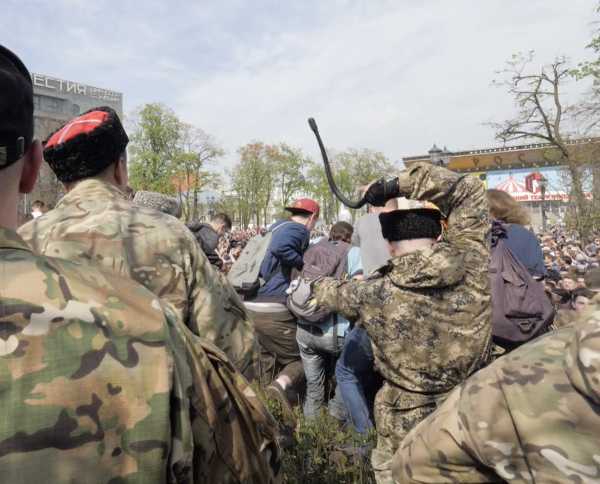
55 102
534 174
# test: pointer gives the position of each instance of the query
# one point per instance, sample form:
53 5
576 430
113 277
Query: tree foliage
169 156
289 165
353 170
154 148
267 177
253 181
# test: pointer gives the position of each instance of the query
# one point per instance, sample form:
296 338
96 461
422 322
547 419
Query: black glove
381 191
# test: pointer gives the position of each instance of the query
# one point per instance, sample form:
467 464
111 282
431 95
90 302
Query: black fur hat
86 145
423 223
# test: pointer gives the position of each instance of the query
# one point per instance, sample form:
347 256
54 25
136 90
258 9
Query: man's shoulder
76 290
287 227
118 217
518 230
535 364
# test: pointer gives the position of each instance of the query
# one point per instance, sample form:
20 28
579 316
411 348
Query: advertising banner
524 184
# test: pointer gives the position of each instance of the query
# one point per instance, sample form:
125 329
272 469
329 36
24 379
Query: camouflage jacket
531 416
100 383
95 223
428 313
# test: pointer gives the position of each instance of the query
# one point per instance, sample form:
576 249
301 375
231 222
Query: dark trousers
279 354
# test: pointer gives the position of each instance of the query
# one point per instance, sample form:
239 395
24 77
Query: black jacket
208 240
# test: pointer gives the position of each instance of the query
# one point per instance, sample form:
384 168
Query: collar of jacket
92 189
435 267
9 239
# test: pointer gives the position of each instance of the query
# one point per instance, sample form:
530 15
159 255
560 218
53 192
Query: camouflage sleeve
341 297
218 314
234 435
521 419
435 451
460 197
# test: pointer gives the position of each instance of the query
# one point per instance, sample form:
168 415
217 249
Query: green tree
154 148
195 150
253 182
353 170
289 165
318 188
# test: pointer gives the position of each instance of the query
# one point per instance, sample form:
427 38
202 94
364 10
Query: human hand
380 191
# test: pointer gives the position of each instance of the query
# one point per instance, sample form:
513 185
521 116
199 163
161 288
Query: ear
31 167
390 248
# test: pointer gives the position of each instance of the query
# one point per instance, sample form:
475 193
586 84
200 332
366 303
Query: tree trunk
578 196
596 196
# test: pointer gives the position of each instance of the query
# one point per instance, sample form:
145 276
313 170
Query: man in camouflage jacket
99 381
428 312
95 223
531 416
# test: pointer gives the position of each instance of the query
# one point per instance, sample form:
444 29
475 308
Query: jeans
316 351
353 369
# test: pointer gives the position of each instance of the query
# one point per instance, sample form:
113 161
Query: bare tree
543 115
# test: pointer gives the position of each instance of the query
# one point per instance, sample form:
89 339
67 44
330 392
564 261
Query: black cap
16 108
86 145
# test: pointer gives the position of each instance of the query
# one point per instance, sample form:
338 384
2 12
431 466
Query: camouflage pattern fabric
235 436
428 312
95 223
531 416
564 318
100 383
158 201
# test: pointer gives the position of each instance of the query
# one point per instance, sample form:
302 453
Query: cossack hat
16 108
86 145
412 219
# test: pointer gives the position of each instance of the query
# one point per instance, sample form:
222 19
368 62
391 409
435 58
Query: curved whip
334 188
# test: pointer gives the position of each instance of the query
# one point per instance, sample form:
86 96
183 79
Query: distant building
55 102
533 174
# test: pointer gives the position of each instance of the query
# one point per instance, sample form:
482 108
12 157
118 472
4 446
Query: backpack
245 271
324 259
521 310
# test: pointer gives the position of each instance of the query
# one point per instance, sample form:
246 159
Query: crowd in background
128 351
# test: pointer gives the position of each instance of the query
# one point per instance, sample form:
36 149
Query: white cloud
392 75
397 79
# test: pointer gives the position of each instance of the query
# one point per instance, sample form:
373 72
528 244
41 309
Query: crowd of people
129 341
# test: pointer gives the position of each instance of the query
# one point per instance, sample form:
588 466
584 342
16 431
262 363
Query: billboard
524 183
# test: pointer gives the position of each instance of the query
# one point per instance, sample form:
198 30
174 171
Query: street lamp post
543 185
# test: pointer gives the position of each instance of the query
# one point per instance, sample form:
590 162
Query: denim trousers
318 352
353 370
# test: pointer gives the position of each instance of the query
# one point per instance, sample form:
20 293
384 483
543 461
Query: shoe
277 393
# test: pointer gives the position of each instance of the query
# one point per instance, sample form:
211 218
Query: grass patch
320 451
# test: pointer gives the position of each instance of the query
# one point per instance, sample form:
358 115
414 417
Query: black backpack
521 310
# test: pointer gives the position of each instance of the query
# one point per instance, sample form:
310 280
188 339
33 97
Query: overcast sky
394 76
